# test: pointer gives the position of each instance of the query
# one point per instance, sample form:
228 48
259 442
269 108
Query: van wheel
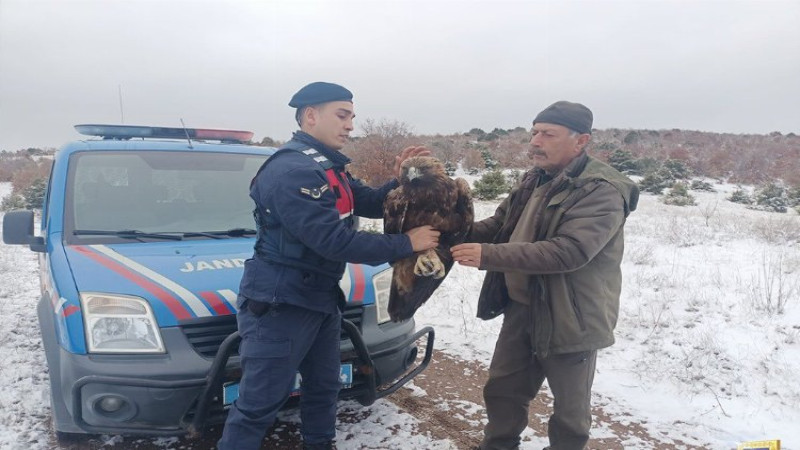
68 438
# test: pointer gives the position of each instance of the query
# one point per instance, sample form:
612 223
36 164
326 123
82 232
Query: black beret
574 116
320 92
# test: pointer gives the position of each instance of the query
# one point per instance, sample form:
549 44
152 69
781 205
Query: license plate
230 390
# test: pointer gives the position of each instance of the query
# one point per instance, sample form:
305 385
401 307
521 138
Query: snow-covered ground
704 353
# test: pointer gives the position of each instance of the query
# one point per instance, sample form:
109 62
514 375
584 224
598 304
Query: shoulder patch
314 193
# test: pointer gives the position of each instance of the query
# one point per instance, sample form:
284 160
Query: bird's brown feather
432 199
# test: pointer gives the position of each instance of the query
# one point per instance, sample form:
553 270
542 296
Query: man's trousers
515 377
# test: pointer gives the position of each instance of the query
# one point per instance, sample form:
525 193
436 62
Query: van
142 239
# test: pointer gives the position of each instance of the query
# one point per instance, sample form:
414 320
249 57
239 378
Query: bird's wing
464 210
394 211
409 291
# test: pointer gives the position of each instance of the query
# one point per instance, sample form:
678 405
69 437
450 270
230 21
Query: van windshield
158 192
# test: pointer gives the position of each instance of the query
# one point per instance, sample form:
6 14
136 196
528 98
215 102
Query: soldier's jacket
305 202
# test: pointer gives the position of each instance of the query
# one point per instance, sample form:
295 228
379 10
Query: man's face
553 146
330 123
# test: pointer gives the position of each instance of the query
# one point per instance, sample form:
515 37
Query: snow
707 351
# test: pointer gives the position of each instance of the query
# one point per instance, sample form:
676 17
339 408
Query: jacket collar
336 157
572 170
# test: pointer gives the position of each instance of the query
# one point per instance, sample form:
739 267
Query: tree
12 201
490 185
678 195
374 154
623 161
740 196
33 195
793 196
473 161
446 151
488 160
656 181
677 169
449 168
269 142
699 185
771 197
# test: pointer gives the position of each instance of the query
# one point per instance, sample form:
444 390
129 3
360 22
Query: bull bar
366 393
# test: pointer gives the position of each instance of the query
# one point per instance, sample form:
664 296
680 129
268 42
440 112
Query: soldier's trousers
274 347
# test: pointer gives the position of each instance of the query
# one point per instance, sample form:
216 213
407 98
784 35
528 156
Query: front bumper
181 392
398 358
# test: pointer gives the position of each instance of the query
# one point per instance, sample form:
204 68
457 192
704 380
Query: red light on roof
223 135
124 132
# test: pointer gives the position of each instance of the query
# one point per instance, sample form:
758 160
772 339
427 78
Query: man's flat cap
574 116
320 92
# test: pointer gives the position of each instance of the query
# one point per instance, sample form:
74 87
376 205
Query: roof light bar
124 132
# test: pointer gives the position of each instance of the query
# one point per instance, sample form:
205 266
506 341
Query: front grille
354 314
206 334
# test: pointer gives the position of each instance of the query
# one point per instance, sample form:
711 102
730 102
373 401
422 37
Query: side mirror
18 230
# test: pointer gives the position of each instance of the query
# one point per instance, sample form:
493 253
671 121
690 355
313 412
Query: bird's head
418 168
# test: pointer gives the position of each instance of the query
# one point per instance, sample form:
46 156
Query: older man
552 250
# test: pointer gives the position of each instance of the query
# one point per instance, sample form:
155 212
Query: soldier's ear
310 116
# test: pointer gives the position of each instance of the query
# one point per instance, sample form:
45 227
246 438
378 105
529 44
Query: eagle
426 196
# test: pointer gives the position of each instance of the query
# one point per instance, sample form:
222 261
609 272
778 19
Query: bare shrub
778 230
473 161
641 255
708 211
680 232
774 285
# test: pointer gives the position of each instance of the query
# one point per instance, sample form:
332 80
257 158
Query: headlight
119 324
382 283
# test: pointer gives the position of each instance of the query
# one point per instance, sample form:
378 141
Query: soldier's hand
467 254
423 238
408 152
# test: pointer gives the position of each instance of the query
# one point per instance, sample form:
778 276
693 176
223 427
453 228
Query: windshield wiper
128 234
233 232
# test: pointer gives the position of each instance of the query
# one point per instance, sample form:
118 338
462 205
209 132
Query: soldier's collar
336 157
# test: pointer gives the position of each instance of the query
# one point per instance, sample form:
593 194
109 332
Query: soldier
289 298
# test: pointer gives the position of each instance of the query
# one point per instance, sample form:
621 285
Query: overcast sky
439 66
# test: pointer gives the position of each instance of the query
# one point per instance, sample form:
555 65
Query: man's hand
408 152
423 238
467 254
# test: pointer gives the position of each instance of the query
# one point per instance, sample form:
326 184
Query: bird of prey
426 196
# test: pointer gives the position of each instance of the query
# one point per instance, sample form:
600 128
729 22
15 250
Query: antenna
121 111
187 133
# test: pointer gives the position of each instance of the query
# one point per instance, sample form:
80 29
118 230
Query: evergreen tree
488 161
679 195
656 181
699 185
490 185
11 202
740 196
793 196
449 168
771 197
623 161
514 176
33 195
677 169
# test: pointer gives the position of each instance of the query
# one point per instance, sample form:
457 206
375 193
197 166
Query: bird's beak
413 173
